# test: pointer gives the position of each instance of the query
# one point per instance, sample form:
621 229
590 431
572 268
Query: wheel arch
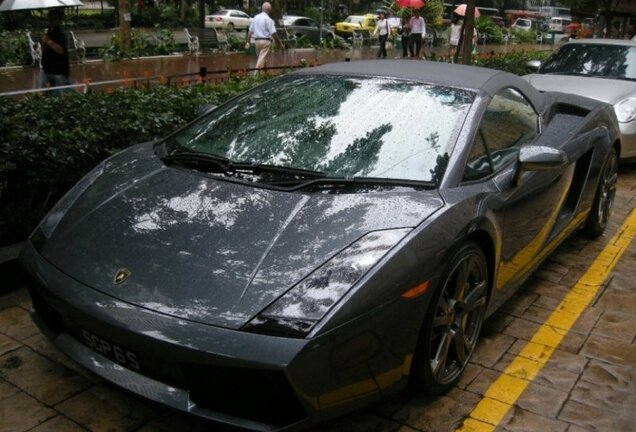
486 243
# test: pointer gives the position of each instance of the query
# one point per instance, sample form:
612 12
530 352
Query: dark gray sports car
319 242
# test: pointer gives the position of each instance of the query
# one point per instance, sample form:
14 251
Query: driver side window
508 123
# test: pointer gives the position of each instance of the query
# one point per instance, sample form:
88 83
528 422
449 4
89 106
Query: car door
528 206
240 20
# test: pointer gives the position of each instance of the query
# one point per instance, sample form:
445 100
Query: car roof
295 17
452 75
615 42
227 10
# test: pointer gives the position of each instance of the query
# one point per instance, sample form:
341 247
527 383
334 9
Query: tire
329 36
604 199
454 318
230 27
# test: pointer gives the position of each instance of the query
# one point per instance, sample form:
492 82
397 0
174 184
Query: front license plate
111 351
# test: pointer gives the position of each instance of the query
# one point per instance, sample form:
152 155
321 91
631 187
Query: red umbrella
461 11
415 4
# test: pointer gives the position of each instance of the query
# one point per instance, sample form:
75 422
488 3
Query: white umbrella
12 5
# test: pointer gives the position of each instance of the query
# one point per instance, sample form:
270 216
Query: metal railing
185 79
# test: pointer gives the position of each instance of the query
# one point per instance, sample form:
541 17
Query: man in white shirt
263 30
418 31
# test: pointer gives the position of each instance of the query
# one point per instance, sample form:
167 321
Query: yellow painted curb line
506 390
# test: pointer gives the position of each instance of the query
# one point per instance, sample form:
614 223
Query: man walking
418 31
55 65
263 31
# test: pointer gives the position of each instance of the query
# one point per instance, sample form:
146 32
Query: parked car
356 22
298 251
603 69
559 24
303 26
522 24
229 20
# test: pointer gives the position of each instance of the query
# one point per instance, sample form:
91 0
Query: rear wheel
230 27
604 198
453 321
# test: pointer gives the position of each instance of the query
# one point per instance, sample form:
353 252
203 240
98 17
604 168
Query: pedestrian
454 33
382 27
394 22
405 31
418 31
263 30
55 65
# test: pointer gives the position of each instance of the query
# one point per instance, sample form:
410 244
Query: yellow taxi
356 22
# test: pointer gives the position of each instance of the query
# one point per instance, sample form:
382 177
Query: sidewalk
12 79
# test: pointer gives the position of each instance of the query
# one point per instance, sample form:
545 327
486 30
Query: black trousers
415 44
405 46
382 50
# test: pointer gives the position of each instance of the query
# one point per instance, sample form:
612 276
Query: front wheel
452 323
604 199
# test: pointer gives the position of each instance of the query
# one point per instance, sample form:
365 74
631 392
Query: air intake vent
571 110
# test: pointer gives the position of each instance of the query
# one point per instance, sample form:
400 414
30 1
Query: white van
558 24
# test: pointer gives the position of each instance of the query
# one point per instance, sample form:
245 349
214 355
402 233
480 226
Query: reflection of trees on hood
600 60
361 155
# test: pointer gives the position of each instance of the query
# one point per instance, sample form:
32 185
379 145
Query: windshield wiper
277 169
226 165
197 159
356 181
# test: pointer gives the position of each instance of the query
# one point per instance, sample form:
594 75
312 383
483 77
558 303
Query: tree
605 8
124 24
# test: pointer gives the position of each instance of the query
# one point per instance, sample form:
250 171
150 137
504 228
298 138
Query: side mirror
204 109
533 65
540 158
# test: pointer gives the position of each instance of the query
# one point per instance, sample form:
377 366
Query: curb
10 270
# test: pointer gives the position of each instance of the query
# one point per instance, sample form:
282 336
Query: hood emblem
121 275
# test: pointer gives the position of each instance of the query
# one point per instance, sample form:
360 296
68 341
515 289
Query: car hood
209 250
606 90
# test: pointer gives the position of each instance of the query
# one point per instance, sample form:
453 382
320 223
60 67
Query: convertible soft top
453 75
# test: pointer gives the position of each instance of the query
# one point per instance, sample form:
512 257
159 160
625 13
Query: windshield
356 20
340 126
609 61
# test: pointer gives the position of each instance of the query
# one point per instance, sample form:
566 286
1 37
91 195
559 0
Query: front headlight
296 312
626 109
55 215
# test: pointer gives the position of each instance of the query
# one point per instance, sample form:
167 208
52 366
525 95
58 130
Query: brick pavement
589 384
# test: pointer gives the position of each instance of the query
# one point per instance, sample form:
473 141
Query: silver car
602 69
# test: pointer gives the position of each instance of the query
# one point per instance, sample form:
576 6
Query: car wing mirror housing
533 65
540 158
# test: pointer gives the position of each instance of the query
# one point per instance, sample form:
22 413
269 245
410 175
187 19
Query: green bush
485 26
14 49
142 43
48 143
524 36
514 62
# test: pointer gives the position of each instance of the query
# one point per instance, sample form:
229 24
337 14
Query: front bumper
237 378
628 140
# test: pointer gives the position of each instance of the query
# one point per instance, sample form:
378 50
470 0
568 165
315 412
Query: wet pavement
25 78
589 383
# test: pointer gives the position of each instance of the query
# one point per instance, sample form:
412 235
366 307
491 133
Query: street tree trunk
124 24
277 11
469 26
